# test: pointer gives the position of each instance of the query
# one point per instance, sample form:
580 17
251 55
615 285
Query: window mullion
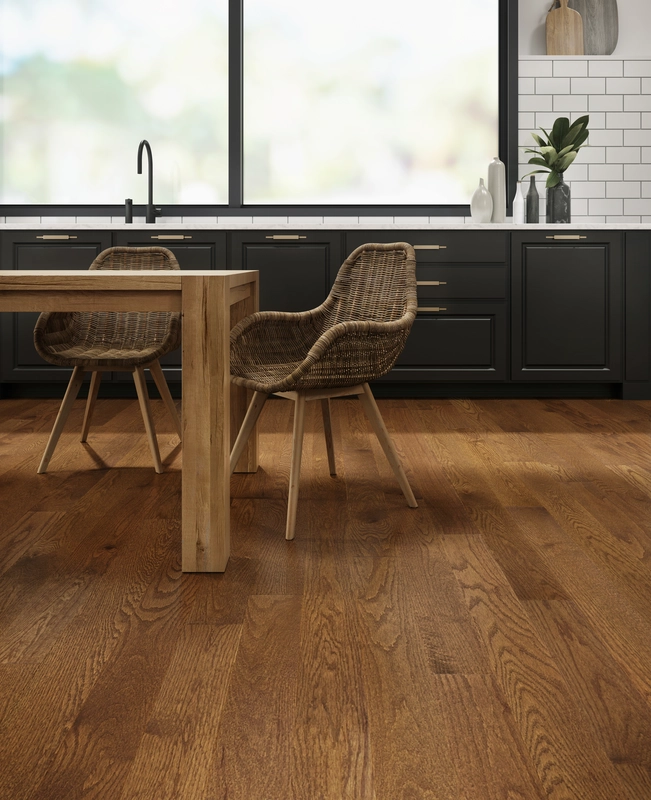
235 103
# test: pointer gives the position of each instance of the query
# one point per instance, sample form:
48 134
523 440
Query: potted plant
556 153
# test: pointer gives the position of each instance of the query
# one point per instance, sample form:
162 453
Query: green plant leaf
546 134
582 137
539 162
559 131
536 172
581 121
553 180
539 139
564 163
565 150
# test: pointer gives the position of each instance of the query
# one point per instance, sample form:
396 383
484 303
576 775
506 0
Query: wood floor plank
176 756
253 744
567 759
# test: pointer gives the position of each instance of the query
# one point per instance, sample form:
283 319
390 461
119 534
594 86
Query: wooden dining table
211 302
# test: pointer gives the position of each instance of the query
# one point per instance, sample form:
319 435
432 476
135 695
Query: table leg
206 424
241 397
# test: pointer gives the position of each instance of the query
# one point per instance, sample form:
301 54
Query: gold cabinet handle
566 236
169 236
286 236
430 308
431 283
60 236
430 247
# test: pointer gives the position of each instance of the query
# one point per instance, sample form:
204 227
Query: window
254 106
85 80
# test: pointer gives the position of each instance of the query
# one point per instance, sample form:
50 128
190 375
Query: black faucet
152 212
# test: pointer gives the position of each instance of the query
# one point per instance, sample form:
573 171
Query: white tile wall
611 178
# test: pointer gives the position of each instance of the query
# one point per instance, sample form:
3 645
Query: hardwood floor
493 644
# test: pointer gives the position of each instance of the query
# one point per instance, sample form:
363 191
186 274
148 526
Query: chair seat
106 355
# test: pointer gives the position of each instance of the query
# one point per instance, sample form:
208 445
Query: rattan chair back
107 339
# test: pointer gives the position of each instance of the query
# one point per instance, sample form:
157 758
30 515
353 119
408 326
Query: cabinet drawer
461 282
440 247
461 342
193 249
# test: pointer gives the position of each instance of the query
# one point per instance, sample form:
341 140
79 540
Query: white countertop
312 226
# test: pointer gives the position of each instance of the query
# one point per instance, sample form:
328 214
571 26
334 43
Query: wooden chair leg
327 428
253 412
145 409
64 412
295 472
95 379
163 388
375 418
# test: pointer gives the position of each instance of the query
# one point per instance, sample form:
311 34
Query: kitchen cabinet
19 361
296 269
460 332
566 298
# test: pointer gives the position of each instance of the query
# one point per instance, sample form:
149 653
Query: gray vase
558 203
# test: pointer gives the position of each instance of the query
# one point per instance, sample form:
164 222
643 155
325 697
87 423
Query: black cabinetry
460 332
296 269
567 307
39 250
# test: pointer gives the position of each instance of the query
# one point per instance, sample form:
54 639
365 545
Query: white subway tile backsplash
606 102
597 120
623 85
606 207
605 138
200 220
625 219
637 68
588 85
341 220
607 69
577 172
26 220
235 221
311 220
623 189
637 102
411 220
536 102
545 119
596 219
646 189
646 155
570 69
535 69
646 120
641 138
526 85
587 188
623 155
637 172
373 220
627 119
645 219
593 155
579 206
554 85
526 120
270 220
642 206
571 102
646 85
605 172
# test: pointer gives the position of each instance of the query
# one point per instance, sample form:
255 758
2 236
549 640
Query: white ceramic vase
518 205
497 188
481 204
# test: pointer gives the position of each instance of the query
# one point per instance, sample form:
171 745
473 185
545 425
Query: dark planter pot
558 203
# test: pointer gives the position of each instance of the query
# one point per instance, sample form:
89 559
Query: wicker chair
124 341
334 350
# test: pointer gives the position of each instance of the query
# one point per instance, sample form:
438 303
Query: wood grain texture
564 31
493 644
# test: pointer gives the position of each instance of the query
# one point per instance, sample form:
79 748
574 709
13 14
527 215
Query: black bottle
128 210
533 202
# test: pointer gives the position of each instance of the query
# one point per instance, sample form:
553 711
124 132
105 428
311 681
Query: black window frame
508 147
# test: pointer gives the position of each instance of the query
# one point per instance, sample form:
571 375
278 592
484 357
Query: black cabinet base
627 391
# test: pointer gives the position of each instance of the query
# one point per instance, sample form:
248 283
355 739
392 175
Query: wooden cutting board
600 25
564 30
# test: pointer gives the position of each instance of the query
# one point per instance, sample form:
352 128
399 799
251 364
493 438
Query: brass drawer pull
430 308
430 247
60 236
286 236
565 236
170 236
431 283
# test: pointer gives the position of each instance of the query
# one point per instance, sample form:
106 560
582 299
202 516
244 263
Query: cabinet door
462 341
19 361
567 307
296 270
193 250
